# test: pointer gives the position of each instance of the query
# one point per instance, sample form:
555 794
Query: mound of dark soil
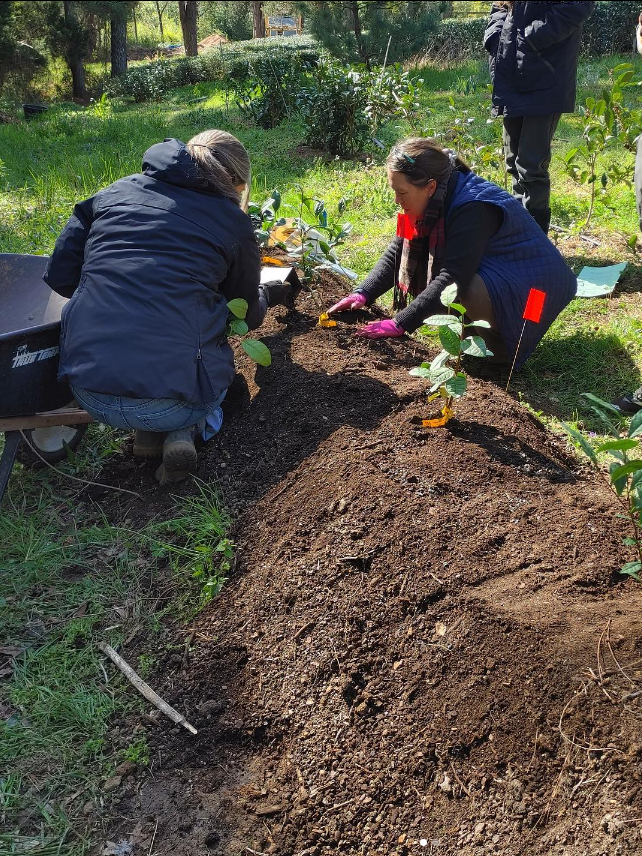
425 646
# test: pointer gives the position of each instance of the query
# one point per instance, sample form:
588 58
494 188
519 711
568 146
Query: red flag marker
534 305
405 229
532 312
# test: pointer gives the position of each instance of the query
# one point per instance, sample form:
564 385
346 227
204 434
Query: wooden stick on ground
144 689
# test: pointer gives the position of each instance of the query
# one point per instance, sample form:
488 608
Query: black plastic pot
33 110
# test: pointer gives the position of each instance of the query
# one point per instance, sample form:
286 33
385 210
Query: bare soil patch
425 646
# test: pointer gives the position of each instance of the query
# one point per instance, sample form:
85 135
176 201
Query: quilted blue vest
519 257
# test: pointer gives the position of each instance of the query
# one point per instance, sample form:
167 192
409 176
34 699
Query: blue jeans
149 414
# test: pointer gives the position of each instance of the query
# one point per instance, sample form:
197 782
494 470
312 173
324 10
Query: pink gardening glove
352 301
380 330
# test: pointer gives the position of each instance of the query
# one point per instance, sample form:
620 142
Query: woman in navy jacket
150 263
533 51
469 231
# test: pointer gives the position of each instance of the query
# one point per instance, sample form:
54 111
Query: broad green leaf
450 340
626 470
621 445
481 323
440 361
440 320
632 569
456 386
449 294
601 403
419 371
257 351
238 307
588 450
276 196
474 346
629 542
618 483
239 327
458 308
635 428
441 376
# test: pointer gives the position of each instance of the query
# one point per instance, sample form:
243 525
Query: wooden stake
144 689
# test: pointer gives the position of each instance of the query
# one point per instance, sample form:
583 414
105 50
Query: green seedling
445 374
624 473
236 326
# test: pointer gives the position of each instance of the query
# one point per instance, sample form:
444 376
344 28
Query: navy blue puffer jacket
150 263
533 51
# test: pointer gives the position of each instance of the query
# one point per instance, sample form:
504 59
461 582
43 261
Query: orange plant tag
326 321
272 261
447 415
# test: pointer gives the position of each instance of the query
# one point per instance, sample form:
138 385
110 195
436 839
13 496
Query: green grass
68 579
66 572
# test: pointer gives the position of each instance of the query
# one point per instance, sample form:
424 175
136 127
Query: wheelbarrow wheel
49 444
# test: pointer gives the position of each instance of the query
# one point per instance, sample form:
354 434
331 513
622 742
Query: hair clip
407 157
398 153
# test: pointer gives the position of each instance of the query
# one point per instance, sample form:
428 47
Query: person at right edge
533 49
631 402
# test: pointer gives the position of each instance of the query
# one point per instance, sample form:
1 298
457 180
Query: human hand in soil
381 330
352 301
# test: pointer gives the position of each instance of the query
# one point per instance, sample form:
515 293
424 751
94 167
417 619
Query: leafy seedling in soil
624 472
318 234
445 374
236 326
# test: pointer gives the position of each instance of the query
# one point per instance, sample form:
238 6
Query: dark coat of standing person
534 49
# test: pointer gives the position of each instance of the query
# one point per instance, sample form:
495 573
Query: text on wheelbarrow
24 357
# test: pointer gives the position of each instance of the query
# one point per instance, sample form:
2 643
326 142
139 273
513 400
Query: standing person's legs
529 156
511 137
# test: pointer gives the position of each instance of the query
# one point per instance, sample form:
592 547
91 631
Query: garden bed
425 642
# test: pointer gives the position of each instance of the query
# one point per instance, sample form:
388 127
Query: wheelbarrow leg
11 442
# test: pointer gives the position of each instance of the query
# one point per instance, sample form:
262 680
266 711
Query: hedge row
229 62
609 30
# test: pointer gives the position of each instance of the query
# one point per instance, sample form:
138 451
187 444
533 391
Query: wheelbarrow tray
29 338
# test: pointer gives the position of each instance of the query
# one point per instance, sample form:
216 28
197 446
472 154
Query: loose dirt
425 646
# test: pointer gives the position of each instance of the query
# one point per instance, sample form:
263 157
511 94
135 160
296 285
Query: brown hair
223 163
421 160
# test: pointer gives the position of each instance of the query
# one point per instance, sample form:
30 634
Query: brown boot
179 457
148 444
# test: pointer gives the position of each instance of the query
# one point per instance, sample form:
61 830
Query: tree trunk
356 26
159 12
118 46
74 60
258 21
188 12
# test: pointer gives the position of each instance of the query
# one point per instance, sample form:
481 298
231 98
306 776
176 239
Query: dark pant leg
638 179
511 135
531 164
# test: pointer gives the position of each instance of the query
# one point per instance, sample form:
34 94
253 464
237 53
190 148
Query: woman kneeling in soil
460 228
150 263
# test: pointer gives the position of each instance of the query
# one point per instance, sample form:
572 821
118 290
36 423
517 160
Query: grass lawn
67 575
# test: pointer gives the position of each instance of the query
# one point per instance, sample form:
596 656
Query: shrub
269 94
150 82
610 29
457 38
342 107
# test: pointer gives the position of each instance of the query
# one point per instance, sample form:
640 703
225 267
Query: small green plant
624 472
314 242
449 381
607 121
236 326
138 752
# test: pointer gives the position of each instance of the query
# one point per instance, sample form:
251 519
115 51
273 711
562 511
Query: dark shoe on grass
148 444
630 403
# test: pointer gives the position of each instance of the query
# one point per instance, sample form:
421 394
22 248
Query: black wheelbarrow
38 416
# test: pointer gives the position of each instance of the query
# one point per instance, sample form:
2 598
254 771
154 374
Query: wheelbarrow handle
12 441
